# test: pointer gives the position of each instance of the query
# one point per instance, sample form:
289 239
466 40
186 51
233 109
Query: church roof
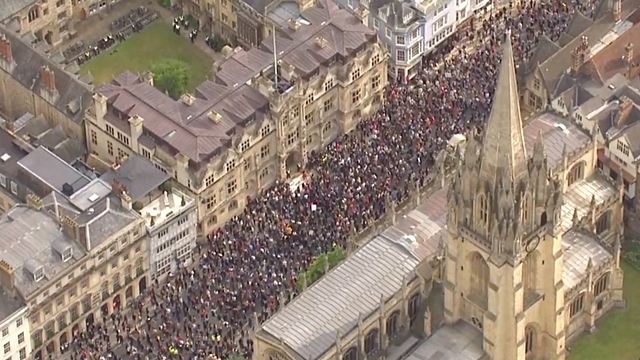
503 147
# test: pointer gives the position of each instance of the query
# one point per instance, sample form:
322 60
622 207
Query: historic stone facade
505 267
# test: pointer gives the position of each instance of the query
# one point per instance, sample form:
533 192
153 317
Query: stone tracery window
392 325
603 223
576 305
413 308
576 173
278 355
483 211
601 284
371 342
351 354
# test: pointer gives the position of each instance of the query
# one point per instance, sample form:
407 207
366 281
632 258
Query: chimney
188 99
6 54
321 42
125 200
116 187
34 201
293 24
69 227
579 55
628 54
625 103
617 10
100 103
6 276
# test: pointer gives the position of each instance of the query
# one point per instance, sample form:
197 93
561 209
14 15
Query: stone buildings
513 257
44 20
170 216
555 63
72 254
250 125
31 82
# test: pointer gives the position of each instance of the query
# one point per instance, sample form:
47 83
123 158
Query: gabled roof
611 60
579 23
73 94
138 175
544 50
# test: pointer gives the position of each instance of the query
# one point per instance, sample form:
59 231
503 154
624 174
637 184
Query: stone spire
503 148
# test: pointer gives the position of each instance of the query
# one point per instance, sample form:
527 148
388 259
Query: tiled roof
611 60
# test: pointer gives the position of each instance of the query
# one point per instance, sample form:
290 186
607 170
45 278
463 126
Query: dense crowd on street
248 269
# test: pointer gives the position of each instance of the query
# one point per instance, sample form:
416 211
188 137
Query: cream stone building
85 252
251 124
510 259
38 20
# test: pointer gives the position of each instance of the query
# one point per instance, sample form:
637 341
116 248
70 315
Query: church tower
504 254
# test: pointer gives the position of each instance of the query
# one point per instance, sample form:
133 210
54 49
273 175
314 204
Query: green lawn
156 42
618 335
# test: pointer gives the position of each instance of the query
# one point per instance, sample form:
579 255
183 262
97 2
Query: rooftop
10 7
73 95
199 126
9 304
459 341
164 208
10 154
137 175
34 245
53 171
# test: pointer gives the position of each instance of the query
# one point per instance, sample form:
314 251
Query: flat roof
164 208
31 241
52 170
460 341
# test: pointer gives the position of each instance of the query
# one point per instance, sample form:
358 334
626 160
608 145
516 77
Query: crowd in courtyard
248 269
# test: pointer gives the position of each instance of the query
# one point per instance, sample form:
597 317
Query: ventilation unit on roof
5 157
94 197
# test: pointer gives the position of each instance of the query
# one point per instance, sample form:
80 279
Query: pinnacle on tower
503 145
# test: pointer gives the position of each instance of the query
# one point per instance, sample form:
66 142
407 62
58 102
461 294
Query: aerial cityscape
319 179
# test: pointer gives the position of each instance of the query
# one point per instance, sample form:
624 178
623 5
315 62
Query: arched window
413 308
575 174
34 13
371 342
529 340
277 355
529 276
392 325
483 211
479 293
576 305
603 223
351 354
525 208
543 218
601 285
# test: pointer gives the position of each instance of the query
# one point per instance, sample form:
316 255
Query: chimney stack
6 275
69 227
579 55
125 200
628 53
617 10
34 201
6 54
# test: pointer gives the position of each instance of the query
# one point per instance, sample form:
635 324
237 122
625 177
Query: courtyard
141 50
618 334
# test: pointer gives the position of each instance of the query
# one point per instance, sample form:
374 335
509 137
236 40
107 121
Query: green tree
171 76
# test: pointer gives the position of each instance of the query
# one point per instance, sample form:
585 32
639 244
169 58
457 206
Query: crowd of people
248 269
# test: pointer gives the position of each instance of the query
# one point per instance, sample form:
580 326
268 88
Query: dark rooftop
74 96
53 171
199 126
138 175
9 303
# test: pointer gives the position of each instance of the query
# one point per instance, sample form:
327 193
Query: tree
171 76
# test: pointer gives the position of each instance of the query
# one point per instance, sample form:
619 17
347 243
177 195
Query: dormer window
38 274
230 165
67 254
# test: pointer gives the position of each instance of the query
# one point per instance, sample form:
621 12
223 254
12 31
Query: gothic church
532 255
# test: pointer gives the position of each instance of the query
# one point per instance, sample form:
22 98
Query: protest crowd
248 269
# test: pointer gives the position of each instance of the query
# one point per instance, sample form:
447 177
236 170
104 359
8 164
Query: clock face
533 244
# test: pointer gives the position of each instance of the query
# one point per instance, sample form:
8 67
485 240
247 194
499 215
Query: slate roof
396 11
579 23
28 238
557 133
544 50
9 304
39 132
73 94
138 175
10 7
52 171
